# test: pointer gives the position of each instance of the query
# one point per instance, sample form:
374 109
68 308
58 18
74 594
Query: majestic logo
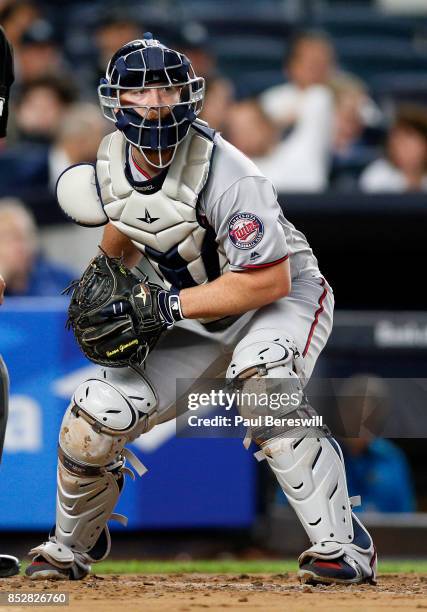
148 218
254 255
245 230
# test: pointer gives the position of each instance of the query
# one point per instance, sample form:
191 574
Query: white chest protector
164 225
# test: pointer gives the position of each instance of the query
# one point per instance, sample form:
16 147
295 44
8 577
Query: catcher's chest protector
164 225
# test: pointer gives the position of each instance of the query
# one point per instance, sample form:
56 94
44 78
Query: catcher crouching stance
236 277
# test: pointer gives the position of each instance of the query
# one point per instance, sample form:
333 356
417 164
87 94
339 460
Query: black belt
221 324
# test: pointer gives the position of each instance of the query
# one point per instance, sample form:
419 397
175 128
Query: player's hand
2 288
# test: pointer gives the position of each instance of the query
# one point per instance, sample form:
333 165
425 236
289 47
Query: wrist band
175 305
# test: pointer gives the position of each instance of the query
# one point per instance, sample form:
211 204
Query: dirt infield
189 592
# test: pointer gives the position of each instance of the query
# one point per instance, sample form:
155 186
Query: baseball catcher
236 278
8 564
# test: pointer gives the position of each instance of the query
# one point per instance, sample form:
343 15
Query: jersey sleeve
246 219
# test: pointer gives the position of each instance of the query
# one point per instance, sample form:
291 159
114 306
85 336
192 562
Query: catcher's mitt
114 314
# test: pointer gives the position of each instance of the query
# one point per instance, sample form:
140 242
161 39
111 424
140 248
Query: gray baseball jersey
249 229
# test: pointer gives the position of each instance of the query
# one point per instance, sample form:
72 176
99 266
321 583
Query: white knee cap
265 353
102 419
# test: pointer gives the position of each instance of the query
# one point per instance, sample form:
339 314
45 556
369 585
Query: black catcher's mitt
114 314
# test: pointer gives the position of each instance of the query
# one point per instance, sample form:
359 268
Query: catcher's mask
142 65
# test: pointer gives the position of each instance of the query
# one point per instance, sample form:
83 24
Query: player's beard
153 113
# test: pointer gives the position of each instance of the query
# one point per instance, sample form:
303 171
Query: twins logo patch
245 230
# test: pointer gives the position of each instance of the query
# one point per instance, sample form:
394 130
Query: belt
221 324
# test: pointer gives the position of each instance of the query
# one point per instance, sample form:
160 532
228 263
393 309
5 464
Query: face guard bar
145 65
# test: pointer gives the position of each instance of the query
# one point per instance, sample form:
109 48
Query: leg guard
102 417
311 473
309 467
4 402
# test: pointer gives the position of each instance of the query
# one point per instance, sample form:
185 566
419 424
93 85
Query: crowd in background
320 128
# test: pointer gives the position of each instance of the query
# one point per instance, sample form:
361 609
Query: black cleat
9 566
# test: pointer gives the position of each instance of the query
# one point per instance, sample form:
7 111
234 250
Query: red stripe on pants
316 318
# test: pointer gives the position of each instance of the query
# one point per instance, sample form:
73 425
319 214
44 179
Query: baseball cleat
41 569
55 561
9 566
332 571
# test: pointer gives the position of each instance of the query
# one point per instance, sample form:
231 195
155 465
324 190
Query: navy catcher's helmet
147 64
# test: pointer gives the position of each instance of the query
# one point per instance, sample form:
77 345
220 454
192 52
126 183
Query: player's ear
78 195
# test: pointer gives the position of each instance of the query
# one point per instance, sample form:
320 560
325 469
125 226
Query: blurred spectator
290 164
114 30
309 67
351 98
16 16
34 181
376 468
251 130
39 54
194 43
78 139
41 107
356 132
378 471
23 267
404 167
304 107
408 7
297 163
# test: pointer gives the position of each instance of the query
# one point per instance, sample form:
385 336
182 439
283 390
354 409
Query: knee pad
116 407
266 353
267 362
103 416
